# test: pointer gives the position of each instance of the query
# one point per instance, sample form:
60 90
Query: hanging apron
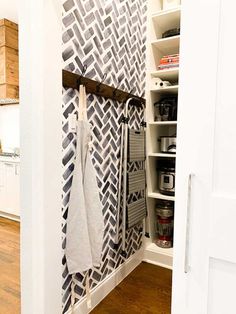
85 225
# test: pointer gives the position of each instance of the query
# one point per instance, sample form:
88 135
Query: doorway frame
40 135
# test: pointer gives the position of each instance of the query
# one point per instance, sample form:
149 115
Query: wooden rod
70 80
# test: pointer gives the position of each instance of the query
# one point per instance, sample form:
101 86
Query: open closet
111 37
144 67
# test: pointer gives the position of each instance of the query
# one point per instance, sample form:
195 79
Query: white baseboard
155 260
9 216
108 284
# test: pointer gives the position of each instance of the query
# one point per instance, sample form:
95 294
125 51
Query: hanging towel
85 225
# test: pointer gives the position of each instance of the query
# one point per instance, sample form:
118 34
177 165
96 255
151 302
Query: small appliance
167 181
166 109
157 83
166 172
171 32
168 144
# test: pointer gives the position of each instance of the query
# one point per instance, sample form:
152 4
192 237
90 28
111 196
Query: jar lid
168 169
165 205
165 212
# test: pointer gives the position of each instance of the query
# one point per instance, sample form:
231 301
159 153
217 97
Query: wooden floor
147 290
9 267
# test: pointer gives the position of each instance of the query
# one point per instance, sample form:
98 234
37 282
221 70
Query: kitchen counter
15 159
10 186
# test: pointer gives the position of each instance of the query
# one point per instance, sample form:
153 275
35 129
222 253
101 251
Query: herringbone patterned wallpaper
110 37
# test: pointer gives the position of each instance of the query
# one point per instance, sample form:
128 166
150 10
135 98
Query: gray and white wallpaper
109 37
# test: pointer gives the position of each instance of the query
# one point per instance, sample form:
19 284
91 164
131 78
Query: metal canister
165 220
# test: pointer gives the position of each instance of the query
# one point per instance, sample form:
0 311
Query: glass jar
165 221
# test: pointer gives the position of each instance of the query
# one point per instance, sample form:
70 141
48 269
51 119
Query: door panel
224 144
195 142
206 147
222 286
222 232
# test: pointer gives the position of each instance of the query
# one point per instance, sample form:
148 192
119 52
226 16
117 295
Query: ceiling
9 10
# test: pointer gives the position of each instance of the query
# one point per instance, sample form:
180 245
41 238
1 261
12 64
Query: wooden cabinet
10 188
9 64
8 34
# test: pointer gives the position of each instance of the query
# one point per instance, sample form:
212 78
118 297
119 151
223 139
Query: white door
204 272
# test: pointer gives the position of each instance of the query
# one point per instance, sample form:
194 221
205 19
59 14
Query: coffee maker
166 109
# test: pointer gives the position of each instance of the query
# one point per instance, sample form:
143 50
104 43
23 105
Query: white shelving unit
162 155
159 22
168 75
163 123
160 196
167 45
165 20
173 89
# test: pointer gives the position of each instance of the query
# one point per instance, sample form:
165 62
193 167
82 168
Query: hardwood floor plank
147 290
9 266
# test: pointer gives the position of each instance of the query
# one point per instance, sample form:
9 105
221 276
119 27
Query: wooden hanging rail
72 80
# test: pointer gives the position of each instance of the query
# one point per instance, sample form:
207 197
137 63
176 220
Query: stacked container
165 219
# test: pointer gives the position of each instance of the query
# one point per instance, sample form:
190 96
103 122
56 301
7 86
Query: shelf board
167 19
169 45
174 10
163 123
162 155
158 256
161 196
153 247
169 74
166 90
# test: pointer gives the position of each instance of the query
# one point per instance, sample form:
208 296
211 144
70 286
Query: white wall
41 172
9 127
9 10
